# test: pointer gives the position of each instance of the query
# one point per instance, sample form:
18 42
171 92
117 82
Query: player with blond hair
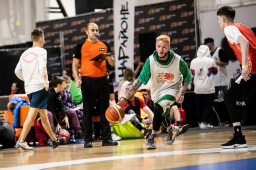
166 71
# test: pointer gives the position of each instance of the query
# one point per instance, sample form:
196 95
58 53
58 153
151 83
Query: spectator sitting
67 99
41 134
14 106
76 93
128 76
16 88
149 102
56 107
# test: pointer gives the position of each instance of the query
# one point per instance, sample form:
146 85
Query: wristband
57 124
244 66
125 98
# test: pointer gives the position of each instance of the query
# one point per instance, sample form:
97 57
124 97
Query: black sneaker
235 142
171 136
151 142
183 129
87 144
147 133
58 142
109 142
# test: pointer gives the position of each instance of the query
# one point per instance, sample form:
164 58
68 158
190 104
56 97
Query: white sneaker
24 146
127 117
1 145
209 126
115 137
205 126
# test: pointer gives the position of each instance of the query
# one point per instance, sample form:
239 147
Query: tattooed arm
135 86
180 95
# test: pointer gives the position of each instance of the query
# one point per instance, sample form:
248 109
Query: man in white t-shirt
243 42
203 68
32 70
218 54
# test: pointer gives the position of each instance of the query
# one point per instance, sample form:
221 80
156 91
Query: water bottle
220 96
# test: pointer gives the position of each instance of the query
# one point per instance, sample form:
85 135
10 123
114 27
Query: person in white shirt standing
32 70
203 68
218 54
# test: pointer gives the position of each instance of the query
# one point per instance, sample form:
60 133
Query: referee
94 83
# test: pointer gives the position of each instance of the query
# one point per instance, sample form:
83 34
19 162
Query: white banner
123 36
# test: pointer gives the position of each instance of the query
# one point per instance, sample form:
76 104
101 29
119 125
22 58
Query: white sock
154 132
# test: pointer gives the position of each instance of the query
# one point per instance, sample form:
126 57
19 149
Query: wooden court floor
187 152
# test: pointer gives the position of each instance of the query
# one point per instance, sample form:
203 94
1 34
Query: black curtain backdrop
9 60
175 19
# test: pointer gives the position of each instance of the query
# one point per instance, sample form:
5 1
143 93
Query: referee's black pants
95 88
234 92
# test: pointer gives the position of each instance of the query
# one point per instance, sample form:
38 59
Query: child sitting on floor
67 100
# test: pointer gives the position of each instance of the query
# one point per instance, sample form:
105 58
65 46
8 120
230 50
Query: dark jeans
95 89
204 103
234 92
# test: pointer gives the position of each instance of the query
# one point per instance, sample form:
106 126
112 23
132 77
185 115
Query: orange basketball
115 114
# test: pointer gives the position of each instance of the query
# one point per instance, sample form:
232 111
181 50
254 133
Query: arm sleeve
108 49
77 52
51 108
187 76
222 56
142 103
145 73
62 107
232 33
43 67
18 71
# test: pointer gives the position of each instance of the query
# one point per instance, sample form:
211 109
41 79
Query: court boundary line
112 158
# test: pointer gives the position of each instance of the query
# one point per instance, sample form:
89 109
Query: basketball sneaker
115 137
24 146
109 142
128 117
177 130
1 145
147 133
87 144
58 142
235 142
151 142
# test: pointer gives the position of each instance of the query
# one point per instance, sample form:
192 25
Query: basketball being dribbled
64 134
115 114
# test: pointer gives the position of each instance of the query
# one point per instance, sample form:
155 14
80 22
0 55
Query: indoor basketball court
127 85
197 149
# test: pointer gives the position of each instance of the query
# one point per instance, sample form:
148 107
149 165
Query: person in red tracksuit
243 42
